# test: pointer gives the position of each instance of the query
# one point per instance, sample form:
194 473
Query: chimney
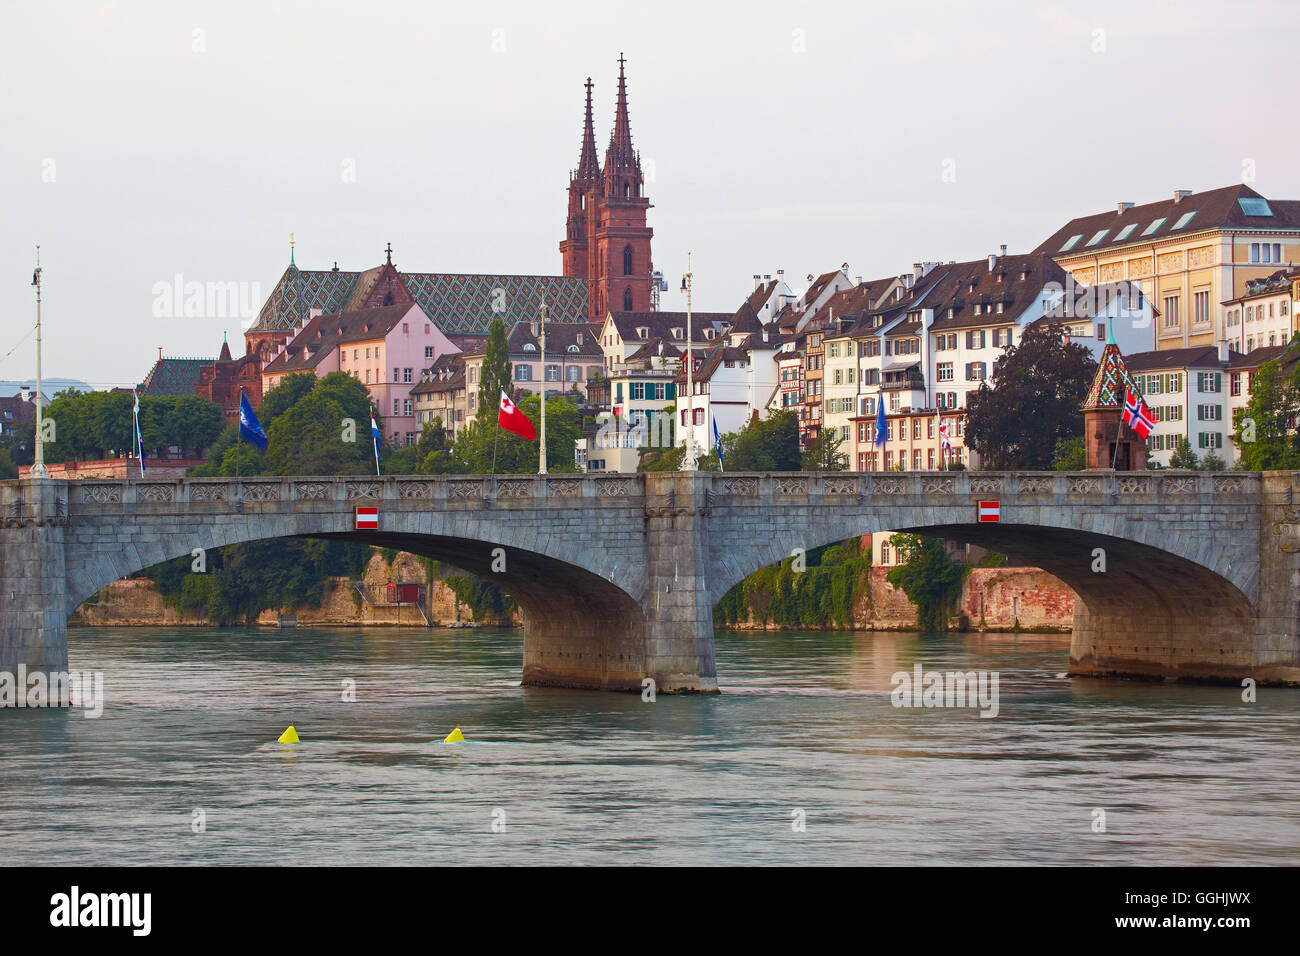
25 393
859 280
1003 247
1181 194
993 261
1123 208
758 281
1223 351
918 270
780 275
767 278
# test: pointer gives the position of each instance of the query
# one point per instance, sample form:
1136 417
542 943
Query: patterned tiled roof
174 376
458 303
1107 390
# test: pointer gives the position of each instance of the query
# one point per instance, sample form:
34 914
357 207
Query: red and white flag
513 420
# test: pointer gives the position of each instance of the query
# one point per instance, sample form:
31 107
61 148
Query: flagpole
541 337
374 441
239 438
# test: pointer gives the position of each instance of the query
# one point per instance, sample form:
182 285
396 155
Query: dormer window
573 348
643 333
677 333
530 347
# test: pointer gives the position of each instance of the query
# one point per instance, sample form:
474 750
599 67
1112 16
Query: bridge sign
368 519
990 511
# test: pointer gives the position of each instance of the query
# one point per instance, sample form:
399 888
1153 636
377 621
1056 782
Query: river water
801 759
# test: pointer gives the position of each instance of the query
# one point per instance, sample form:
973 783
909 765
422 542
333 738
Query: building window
1200 307
916 428
406 407
552 373
1208 381
699 416
428 351
627 299
406 375
573 373
889 466
397 407
943 371
523 373
1210 440
930 458
627 260
1172 317
916 459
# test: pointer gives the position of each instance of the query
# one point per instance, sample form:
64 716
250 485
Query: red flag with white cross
513 420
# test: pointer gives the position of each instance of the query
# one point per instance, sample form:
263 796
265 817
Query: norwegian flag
1137 416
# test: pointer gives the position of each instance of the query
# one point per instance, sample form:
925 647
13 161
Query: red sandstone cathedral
607 239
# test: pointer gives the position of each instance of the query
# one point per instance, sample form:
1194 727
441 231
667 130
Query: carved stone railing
310 493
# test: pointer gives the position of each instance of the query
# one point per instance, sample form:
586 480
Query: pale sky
774 135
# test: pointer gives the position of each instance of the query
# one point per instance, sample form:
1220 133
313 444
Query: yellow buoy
455 737
290 736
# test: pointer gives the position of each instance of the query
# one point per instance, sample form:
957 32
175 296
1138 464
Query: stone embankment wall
993 599
134 603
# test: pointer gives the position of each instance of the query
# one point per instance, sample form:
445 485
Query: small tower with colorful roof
1108 442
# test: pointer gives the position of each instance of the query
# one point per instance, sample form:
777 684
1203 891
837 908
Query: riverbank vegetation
817 589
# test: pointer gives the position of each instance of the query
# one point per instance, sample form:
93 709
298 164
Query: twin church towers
606 238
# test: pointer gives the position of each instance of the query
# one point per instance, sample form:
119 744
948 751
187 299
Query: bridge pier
33 579
678 612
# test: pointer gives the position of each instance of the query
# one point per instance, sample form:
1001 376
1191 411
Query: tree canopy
1038 389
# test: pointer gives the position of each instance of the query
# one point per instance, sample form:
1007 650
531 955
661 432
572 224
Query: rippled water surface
1185 775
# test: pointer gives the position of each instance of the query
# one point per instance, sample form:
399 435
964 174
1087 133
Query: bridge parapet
262 493
1028 487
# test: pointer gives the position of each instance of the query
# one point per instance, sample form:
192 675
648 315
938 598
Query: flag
1137 416
513 420
376 438
717 442
943 433
139 439
250 429
880 419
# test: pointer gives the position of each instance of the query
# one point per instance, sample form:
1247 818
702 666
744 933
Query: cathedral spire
588 165
620 140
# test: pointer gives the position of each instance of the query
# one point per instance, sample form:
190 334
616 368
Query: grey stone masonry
617 575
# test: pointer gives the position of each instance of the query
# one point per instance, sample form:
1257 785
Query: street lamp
540 331
38 464
689 459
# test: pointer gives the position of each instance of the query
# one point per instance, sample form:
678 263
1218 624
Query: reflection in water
1187 775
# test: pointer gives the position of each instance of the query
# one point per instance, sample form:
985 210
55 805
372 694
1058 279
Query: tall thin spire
588 165
620 140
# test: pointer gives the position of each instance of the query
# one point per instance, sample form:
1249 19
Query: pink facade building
384 348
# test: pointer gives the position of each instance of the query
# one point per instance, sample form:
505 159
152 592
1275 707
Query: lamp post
38 464
541 339
689 459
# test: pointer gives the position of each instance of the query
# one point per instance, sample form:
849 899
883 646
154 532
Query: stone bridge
617 575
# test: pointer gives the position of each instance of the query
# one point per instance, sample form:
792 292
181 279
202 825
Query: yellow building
1189 254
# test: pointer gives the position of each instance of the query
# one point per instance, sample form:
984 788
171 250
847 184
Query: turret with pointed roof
582 182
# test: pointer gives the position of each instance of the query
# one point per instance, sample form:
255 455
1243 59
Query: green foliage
484 441
770 444
1070 455
8 469
1212 462
495 374
1183 456
1035 401
822 595
929 578
823 452
484 599
92 425
243 580
1264 430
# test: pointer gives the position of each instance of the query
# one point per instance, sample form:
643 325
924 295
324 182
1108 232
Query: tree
1038 388
1183 456
494 375
286 393
823 452
770 444
307 439
1212 462
929 578
1264 431
485 447
1070 455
